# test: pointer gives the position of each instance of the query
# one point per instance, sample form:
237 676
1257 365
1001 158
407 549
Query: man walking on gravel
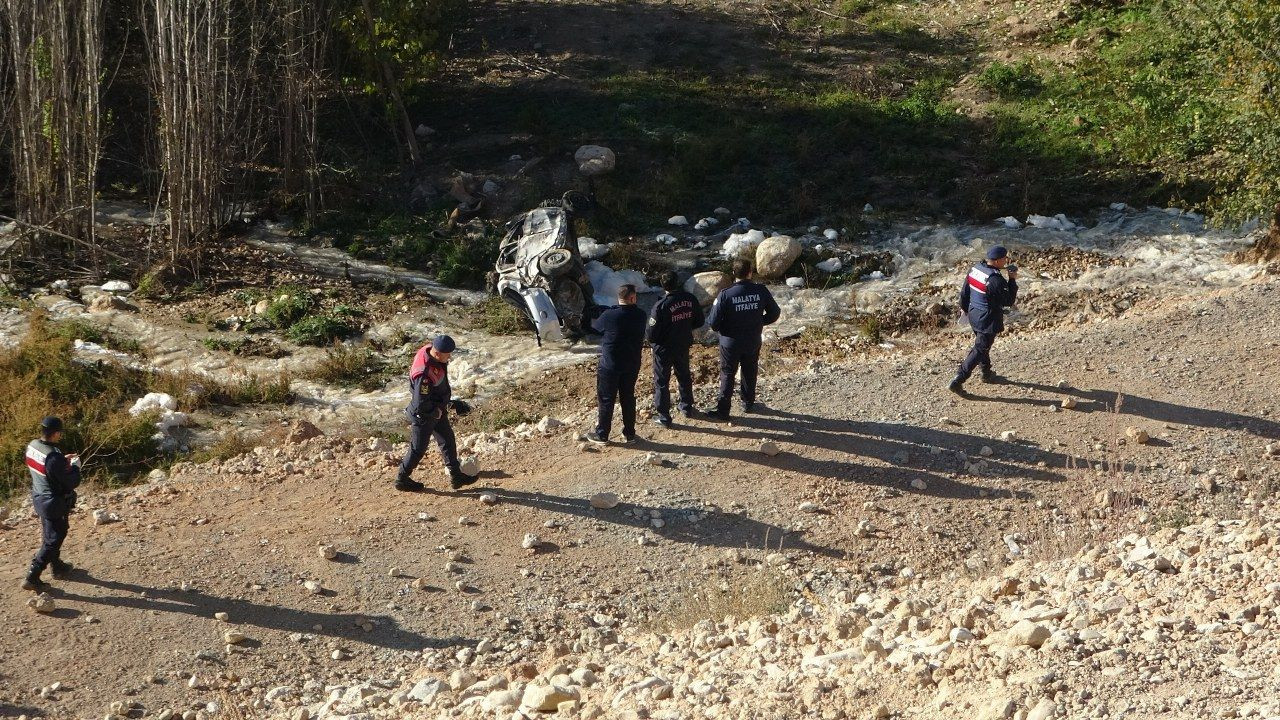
430 400
739 314
54 479
623 328
671 326
983 297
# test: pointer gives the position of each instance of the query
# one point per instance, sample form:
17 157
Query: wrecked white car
540 271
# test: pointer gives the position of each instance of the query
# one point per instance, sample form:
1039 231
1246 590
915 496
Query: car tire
555 262
576 202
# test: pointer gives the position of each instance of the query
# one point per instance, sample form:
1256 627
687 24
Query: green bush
1010 82
498 317
288 306
318 330
75 329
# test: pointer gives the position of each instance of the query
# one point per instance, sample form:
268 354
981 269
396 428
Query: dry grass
752 592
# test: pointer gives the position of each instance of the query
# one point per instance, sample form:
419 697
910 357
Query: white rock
705 286
530 541
548 423
547 697
829 265
654 459
231 637
918 484
102 517
774 255
469 465
795 282
117 286
594 160
831 234
678 220
1043 710
722 211
378 445
1069 403
328 552
489 498
1027 633
810 507
1008 435
313 587
770 448
42 603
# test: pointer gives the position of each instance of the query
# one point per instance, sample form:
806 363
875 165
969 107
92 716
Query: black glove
459 407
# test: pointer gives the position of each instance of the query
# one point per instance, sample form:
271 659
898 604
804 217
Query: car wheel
576 202
554 262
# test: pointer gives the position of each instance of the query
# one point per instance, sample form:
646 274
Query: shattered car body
540 271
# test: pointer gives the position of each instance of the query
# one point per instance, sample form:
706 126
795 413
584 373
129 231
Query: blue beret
443 343
997 252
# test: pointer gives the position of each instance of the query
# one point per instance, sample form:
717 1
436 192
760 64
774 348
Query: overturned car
540 271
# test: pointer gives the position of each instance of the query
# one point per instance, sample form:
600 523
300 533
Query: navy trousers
420 435
979 356
735 355
667 360
54 525
618 386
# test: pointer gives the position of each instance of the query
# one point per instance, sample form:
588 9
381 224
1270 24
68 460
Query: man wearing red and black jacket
983 297
430 400
54 479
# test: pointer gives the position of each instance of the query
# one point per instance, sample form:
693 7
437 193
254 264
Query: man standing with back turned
623 329
54 479
739 314
984 296
671 326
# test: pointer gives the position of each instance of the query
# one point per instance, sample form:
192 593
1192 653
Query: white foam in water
739 243
606 281
589 249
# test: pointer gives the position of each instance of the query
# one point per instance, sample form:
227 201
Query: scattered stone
1008 436
918 484
1069 403
776 254
986 451
42 603
231 637
547 424
378 445
302 431
328 552
1239 474
469 465
102 517
1137 434
221 617
678 220
547 697
810 507
489 498
313 587
770 448
706 286
654 459
604 501
864 529
530 541
1027 633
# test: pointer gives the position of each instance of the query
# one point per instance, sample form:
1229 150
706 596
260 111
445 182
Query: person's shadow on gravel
345 626
727 530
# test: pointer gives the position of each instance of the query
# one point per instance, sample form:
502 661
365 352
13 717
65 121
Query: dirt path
1199 376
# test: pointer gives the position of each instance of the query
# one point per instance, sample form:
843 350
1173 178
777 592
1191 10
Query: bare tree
304 27
53 76
204 58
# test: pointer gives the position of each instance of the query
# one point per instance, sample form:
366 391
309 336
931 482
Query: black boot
407 485
957 385
459 479
991 378
33 582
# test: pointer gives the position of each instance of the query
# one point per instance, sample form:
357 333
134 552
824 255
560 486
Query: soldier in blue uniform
984 296
54 479
671 326
623 327
430 400
739 314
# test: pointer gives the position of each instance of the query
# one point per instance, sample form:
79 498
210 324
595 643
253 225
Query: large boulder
594 160
776 254
707 285
546 698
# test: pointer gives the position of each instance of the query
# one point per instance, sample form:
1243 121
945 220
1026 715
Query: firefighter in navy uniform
54 479
984 296
430 400
671 326
739 314
622 327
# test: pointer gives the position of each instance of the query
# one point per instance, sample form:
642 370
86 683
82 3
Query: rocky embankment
1180 623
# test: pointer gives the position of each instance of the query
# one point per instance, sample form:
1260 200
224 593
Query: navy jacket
52 475
984 296
742 310
673 320
623 329
429 390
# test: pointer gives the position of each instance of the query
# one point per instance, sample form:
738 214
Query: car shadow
343 626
